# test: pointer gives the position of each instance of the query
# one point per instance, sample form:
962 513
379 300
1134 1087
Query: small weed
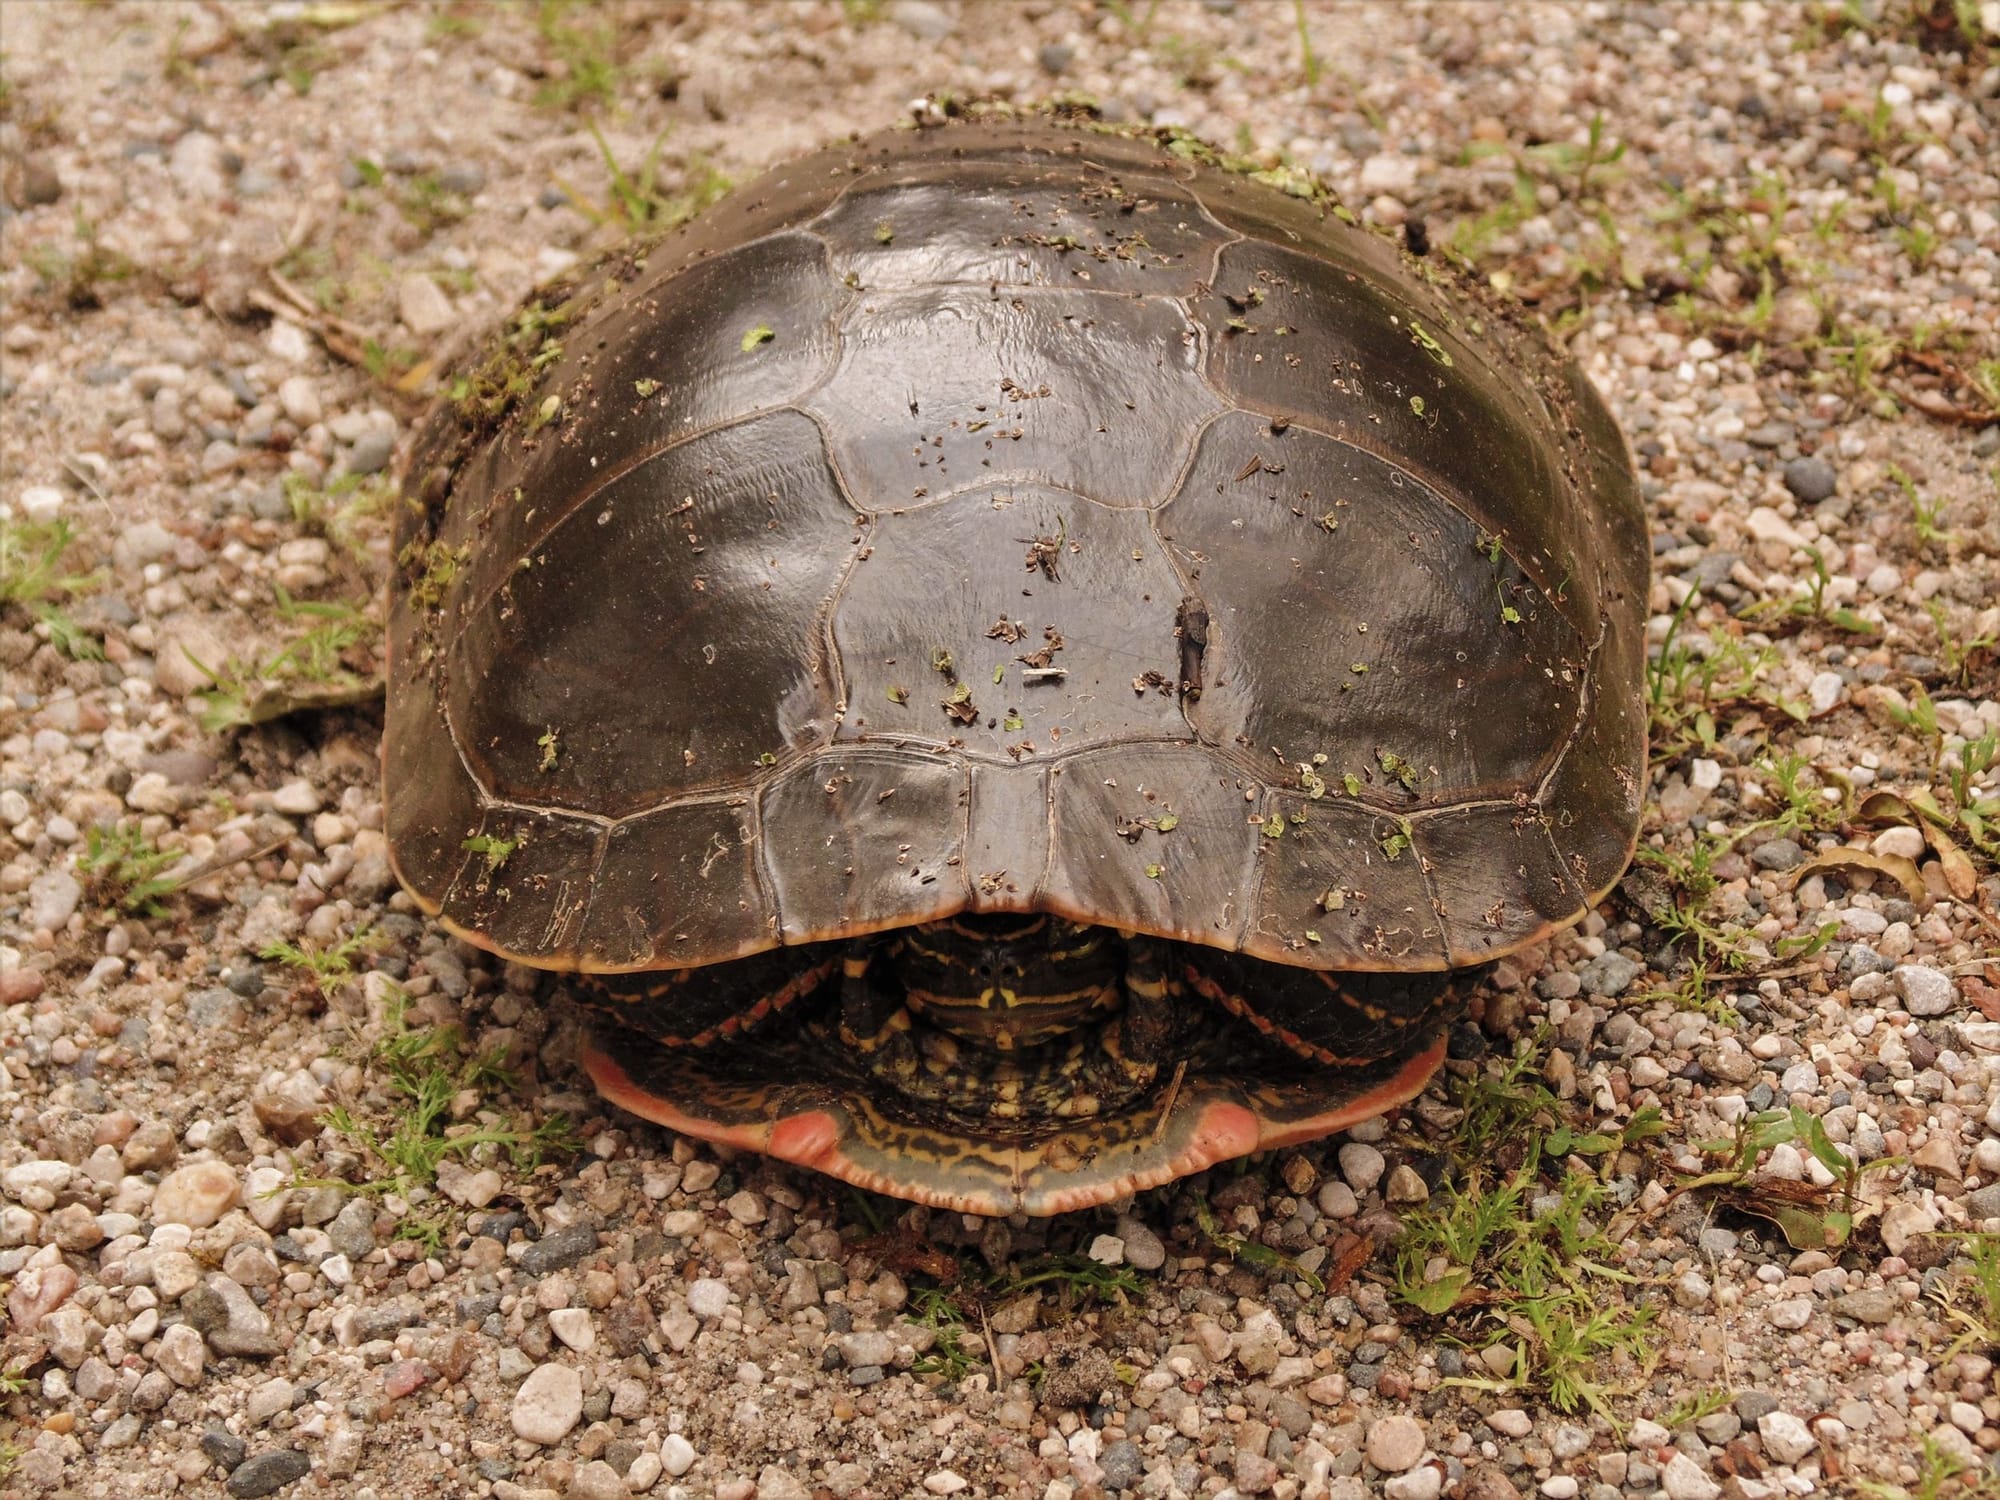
321 967
122 868
1692 1408
341 511
1813 605
1978 1286
1956 655
948 1356
1079 1281
79 278
309 671
586 70
1308 63
69 637
431 1082
635 199
1941 1475
1522 1258
1261 1258
1808 1217
1925 515
1688 683
31 562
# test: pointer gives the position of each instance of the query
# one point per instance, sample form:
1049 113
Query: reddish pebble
19 985
37 1292
404 1376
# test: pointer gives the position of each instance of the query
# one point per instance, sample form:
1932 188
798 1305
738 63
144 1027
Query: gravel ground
343 1216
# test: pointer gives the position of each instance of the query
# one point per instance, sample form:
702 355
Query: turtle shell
1017 516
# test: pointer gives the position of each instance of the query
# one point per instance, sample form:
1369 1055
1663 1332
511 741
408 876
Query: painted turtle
1014 661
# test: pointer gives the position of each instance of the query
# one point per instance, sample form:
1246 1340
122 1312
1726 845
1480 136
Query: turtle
1010 661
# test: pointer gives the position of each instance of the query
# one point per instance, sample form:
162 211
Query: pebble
1905 843
1425 1483
196 1195
1810 480
181 1355
707 1297
228 1318
52 900
1406 1188
676 1455
1925 991
560 1249
1684 1479
1362 1165
1609 975
1785 1437
548 1404
574 1326
1143 1249
267 1473
1395 1443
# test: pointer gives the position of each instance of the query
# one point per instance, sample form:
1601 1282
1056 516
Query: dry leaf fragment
1899 869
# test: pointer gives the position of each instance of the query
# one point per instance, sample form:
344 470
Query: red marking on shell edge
1404 1085
616 1085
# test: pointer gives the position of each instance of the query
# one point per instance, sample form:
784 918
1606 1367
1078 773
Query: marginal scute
435 806
1113 862
1594 796
524 881
863 838
1342 888
677 887
1505 882
1007 839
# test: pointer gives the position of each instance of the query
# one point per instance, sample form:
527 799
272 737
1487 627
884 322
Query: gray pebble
371 453
1055 57
222 1446
923 20
52 900
268 1473
353 1229
1778 854
868 1348
1143 1249
1753 1404
1122 1465
224 1314
1810 479
559 1248
1609 974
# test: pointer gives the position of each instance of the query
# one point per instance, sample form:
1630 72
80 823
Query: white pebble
677 1454
548 1404
574 1326
1786 1438
707 1297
